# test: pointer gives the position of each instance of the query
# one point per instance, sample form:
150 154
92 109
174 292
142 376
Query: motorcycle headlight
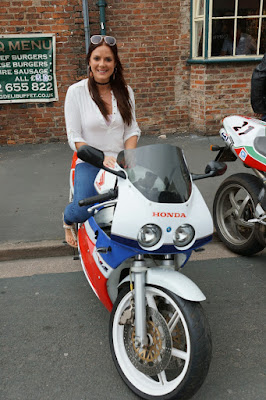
149 235
183 235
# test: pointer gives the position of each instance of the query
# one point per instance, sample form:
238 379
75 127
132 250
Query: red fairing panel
74 160
94 275
250 161
73 166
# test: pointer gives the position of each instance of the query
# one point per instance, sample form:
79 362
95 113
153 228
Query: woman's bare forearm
131 143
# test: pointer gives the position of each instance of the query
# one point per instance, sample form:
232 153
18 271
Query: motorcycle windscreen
158 171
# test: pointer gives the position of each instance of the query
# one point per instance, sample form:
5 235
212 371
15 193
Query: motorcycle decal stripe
253 153
118 254
253 159
165 249
134 244
93 274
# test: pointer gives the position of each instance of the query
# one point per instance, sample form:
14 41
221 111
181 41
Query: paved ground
54 331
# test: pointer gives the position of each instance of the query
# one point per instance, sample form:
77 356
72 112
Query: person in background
245 44
258 89
100 112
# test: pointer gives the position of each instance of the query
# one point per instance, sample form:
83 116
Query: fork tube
139 271
260 175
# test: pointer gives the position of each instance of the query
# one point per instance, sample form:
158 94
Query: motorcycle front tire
162 372
234 204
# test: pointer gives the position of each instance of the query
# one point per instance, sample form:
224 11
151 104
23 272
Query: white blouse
85 122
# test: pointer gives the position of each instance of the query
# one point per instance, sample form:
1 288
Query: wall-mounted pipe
86 24
102 4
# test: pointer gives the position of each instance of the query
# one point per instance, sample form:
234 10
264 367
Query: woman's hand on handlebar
109 161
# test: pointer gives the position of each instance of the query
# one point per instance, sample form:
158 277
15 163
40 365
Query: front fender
174 281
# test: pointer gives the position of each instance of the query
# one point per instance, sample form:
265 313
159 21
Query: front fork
139 270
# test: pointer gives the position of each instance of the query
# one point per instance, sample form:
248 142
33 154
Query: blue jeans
83 187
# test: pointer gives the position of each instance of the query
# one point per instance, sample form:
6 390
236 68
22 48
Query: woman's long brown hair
118 86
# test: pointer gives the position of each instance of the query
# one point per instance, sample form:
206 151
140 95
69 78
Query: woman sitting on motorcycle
100 112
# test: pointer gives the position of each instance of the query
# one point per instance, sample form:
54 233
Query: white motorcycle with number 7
147 219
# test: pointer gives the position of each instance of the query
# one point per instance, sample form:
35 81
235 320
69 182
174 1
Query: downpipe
86 24
102 4
139 271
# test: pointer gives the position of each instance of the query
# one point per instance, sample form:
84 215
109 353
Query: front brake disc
155 357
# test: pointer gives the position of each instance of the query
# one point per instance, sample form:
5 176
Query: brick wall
42 122
154 43
227 89
218 90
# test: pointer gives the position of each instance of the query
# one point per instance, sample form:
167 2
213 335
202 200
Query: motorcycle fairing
118 253
137 211
122 249
241 133
251 157
166 249
104 181
260 145
92 272
243 130
98 268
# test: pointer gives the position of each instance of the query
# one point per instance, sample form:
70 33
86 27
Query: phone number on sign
25 87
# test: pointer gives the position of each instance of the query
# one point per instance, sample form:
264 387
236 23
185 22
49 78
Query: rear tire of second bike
234 204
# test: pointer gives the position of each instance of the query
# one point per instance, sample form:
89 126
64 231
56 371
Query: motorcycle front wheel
176 360
234 205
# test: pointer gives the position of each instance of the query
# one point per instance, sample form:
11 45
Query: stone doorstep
47 248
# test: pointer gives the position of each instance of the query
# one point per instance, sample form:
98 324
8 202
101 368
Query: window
228 29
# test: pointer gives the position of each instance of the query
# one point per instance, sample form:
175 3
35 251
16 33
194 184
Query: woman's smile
102 63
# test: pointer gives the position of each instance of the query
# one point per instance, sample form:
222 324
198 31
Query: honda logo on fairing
102 180
169 215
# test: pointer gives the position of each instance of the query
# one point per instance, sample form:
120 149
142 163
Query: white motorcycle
239 209
147 219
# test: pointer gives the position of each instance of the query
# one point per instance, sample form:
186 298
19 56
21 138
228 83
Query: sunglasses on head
97 39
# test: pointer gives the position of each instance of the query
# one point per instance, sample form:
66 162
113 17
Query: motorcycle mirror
95 157
215 168
91 155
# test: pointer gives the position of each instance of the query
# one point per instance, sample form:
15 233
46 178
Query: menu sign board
27 68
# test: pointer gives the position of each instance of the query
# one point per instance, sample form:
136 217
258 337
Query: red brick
154 46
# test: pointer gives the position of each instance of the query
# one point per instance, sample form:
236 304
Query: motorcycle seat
260 145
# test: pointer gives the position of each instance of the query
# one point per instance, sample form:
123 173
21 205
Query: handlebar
100 198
